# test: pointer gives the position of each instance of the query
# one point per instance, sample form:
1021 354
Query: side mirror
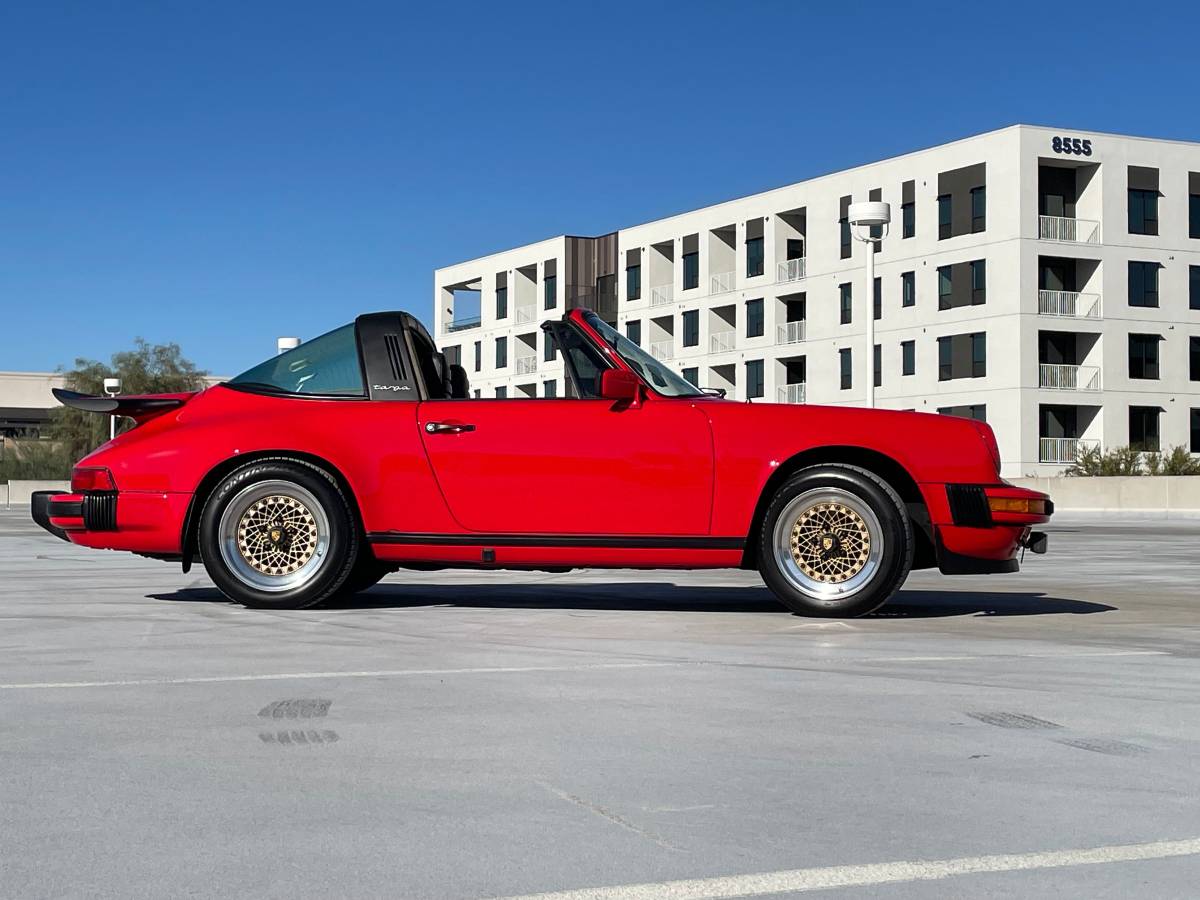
619 384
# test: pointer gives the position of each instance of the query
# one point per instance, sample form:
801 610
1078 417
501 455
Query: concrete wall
17 493
1160 495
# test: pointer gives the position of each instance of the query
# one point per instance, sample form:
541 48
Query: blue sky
218 174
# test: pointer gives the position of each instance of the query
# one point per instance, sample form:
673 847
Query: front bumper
981 529
138 521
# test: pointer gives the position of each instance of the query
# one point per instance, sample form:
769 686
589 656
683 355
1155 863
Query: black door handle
447 427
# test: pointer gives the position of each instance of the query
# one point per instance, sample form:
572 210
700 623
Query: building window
633 331
1195 447
754 318
877 300
1143 284
501 352
550 290
978 282
976 411
548 348
691 328
1194 358
478 356
1143 428
908 357
943 217
847 301
1143 211
1194 215
691 271
908 289
1143 356
1194 287
691 375
754 257
501 303
877 365
501 393
847 366
908 219
978 209
844 227
550 389
962 356
945 286
633 282
754 379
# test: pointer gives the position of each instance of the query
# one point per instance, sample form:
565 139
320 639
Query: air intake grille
392 343
968 505
100 511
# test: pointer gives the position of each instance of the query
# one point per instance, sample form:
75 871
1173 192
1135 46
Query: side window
583 362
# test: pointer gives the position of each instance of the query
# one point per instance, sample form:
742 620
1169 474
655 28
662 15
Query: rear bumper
138 521
981 529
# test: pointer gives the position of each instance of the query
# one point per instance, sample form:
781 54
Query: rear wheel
278 534
836 540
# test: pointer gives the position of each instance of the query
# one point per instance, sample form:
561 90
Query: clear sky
220 174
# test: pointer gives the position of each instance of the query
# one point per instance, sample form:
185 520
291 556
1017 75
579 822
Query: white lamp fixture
284 344
863 217
112 387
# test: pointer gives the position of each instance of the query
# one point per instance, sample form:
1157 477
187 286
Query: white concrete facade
1056 374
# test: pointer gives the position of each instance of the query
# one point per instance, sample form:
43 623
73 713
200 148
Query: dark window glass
847 302
1143 428
691 328
502 393
633 331
754 379
846 363
978 209
1195 416
795 248
691 374
501 352
844 227
979 354
550 290
1194 215
633 282
691 270
976 411
908 357
453 356
754 318
1143 284
877 365
877 299
1143 212
908 289
1143 356
583 363
501 303
978 282
478 355
962 356
1194 287
945 286
944 217
548 348
325 365
1194 358
550 389
908 218
754 257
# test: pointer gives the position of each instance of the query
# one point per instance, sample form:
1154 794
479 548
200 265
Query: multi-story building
1046 280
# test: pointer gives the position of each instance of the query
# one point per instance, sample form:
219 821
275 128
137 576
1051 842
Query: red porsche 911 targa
360 453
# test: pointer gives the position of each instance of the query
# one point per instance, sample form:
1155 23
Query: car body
636 469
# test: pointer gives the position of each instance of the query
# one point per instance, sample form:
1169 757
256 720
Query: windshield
326 365
653 372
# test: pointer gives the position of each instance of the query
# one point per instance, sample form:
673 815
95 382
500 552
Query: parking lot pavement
493 734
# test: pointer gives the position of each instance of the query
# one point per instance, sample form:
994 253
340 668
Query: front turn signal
1024 505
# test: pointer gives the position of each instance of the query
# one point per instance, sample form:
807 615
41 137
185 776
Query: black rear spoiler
135 406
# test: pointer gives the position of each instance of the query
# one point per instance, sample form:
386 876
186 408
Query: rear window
327 365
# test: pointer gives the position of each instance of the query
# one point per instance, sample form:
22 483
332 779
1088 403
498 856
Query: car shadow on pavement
667 597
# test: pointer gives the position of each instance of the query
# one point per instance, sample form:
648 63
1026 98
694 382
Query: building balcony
524 314
463 324
662 295
790 333
792 270
720 283
1069 305
1070 231
1063 451
722 341
1069 378
525 365
792 393
662 350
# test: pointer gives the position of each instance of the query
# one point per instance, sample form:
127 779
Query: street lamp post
863 217
112 387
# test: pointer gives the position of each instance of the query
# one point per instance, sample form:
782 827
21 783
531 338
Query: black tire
332 543
367 573
854 516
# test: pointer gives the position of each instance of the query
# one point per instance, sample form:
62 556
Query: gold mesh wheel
830 543
277 535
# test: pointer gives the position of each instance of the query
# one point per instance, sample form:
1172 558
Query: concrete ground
482 735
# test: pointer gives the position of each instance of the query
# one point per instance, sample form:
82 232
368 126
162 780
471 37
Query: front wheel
278 534
836 541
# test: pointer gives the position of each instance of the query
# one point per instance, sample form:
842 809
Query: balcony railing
720 283
662 350
1069 378
792 393
791 333
662 295
792 270
722 341
1074 231
1063 451
462 324
1069 304
525 365
524 314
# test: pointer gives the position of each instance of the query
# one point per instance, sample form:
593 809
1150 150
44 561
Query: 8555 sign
1071 145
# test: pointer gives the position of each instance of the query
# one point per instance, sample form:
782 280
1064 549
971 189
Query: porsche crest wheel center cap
830 543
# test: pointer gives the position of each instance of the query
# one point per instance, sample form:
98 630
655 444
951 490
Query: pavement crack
612 817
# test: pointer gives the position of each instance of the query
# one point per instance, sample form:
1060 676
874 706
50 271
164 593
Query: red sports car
360 452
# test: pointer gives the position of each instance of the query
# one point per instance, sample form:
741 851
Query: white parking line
285 676
819 879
